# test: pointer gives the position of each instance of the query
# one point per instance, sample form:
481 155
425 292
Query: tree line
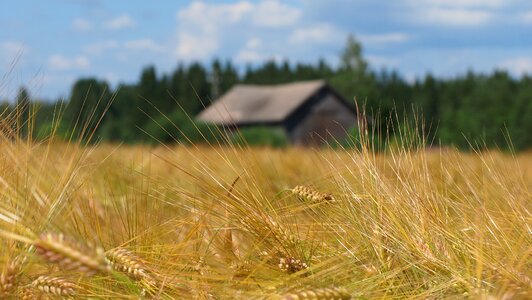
491 109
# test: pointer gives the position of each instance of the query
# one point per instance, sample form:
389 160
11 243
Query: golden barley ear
291 265
335 293
27 293
126 262
54 248
274 234
9 276
54 285
241 269
309 194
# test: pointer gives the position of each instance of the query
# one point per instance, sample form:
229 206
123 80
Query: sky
47 45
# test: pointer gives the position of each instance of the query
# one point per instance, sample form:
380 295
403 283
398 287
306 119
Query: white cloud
60 62
208 17
275 14
122 49
466 3
382 61
270 13
456 12
100 47
81 25
385 38
527 17
111 77
249 56
322 33
11 53
518 65
457 16
203 27
12 49
254 43
199 27
120 22
251 52
196 47
144 45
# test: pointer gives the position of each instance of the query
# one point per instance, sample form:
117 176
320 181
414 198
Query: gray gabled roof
247 104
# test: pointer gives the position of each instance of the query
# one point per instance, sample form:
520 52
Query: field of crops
112 222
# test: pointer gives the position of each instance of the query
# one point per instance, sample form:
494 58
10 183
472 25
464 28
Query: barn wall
327 119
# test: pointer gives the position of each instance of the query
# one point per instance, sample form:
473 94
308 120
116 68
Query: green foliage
198 91
260 136
470 109
124 116
179 128
23 111
352 58
87 106
353 140
405 137
223 78
53 129
357 140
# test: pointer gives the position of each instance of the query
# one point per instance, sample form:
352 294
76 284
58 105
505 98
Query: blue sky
47 45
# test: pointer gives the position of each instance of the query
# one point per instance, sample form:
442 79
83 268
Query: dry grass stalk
282 235
54 285
308 193
319 294
370 269
201 289
241 269
278 235
124 261
55 249
8 277
291 265
516 283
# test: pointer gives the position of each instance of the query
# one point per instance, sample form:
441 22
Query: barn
310 112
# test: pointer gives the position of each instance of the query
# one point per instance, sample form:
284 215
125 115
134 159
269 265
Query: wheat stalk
319 294
308 193
54 248
54 285
278 235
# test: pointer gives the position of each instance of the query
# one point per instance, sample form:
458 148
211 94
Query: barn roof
259 103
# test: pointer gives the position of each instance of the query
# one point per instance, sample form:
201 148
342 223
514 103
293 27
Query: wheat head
291 265
124 261
319 294
54 248
8 277
308 193
27 293
54 285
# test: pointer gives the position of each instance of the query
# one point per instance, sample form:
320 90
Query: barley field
228 222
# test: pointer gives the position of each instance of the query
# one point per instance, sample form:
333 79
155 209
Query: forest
469 110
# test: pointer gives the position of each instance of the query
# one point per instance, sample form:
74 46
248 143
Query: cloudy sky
47 45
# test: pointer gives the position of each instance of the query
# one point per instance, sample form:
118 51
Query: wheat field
227 222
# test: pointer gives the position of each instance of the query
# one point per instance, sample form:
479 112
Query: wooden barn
310 112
